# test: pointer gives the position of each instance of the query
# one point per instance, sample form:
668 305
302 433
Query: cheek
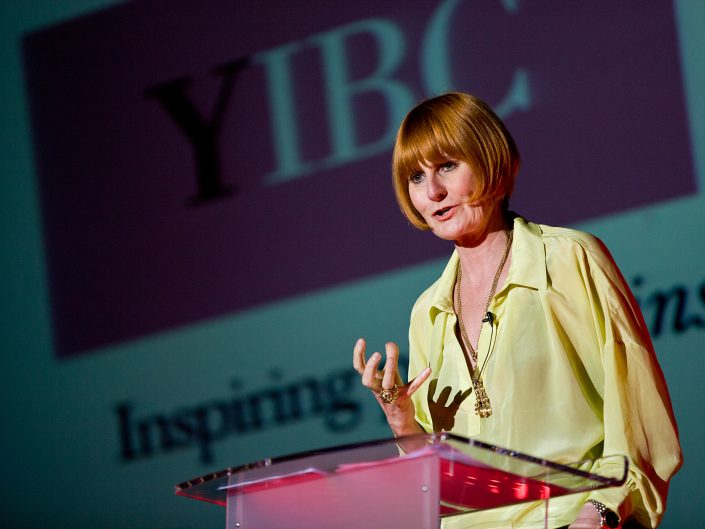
416 199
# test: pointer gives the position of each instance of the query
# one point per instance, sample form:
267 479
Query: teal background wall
60 432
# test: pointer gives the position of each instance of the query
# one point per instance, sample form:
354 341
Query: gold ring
388 396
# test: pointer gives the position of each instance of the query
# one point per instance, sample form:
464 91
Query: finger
370 378
359 356
390 365
420 379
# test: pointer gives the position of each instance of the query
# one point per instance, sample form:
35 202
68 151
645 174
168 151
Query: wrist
410 445
401 418
405 427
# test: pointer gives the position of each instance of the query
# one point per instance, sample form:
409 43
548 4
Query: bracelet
608 518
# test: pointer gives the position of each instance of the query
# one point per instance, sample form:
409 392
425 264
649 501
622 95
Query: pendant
482 401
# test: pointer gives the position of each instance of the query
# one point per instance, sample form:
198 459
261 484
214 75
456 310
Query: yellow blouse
569 369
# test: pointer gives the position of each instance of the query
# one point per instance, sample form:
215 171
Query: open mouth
444 213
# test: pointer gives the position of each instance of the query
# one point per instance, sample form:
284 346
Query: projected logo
198 160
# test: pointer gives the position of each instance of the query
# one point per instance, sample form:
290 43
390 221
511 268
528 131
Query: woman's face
442 194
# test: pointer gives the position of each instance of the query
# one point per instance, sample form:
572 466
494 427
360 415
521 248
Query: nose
435 190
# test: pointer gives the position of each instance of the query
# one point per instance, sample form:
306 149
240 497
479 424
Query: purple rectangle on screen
199 158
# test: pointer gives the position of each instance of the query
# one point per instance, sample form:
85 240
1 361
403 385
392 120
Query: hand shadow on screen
442 413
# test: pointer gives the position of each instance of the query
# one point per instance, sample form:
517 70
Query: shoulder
576 257
439 295
423 306
544 253
555 237
575 248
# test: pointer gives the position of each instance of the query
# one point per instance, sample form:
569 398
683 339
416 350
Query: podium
409 482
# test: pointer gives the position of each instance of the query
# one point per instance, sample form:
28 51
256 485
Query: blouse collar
527 268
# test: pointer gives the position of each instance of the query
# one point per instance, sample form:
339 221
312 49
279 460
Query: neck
480 256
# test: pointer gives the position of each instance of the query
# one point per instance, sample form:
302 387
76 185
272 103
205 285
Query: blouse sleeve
637 413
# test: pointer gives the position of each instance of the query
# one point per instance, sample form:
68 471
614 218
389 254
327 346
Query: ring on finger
388 396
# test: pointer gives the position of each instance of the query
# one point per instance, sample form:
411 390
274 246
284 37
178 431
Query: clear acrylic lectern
409 482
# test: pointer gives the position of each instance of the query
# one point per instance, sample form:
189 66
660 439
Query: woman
530 339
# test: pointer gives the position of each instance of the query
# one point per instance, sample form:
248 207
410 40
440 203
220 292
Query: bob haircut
455 126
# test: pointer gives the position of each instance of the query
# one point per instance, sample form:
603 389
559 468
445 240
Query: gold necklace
482 401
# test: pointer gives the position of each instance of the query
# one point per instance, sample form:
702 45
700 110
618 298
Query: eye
448 166
416 178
